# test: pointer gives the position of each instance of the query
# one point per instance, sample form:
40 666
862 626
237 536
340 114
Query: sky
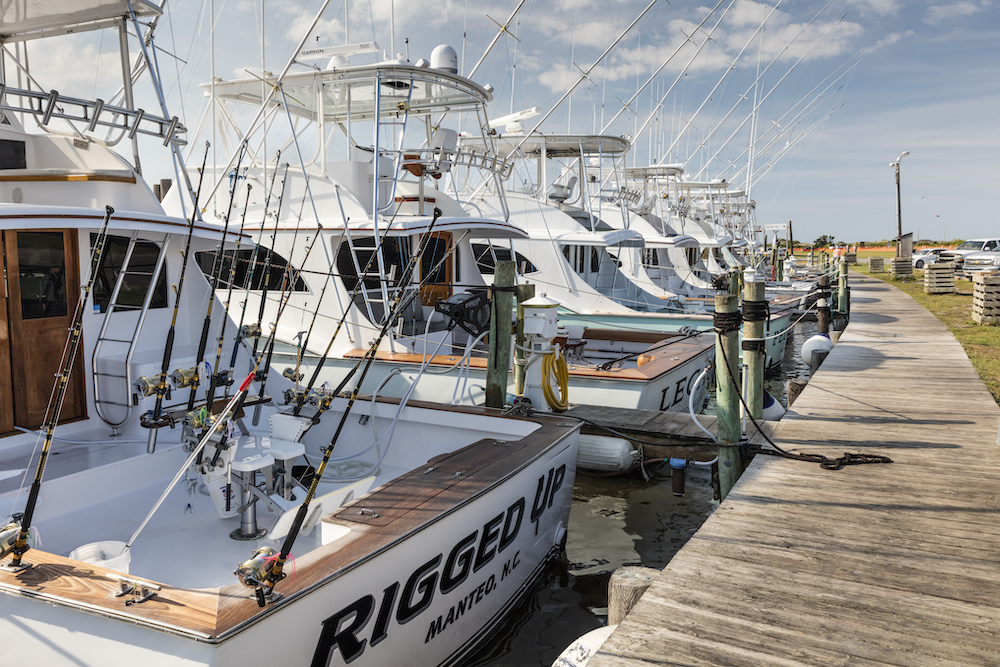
828 95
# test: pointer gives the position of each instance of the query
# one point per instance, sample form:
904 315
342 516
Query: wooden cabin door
43 286
437 276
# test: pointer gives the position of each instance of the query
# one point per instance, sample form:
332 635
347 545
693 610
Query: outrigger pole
273 573
156 414
20 545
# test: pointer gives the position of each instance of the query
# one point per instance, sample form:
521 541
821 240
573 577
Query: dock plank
870 565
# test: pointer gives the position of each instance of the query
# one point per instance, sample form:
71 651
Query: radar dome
444 58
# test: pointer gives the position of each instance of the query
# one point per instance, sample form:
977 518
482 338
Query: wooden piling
498 365
823 305
753 346
522 294
734 281
842 286
626 586
727 374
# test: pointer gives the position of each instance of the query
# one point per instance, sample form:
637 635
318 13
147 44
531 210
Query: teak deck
665 355
870 565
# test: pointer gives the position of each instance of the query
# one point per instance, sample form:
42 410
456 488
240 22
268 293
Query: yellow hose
554 364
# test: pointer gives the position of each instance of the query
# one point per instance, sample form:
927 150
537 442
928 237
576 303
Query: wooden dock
895 564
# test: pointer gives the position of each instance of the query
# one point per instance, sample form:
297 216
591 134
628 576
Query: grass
981 342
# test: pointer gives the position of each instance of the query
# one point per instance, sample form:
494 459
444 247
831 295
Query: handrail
92 112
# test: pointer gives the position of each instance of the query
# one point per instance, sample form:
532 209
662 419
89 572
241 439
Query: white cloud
956 10
891 39
876 7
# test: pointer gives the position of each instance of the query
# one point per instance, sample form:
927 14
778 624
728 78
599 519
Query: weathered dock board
870 565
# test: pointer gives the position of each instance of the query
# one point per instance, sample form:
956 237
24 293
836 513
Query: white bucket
110 554
215 481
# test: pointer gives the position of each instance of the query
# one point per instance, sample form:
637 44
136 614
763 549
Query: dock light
899 208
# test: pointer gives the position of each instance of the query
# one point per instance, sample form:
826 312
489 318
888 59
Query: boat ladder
113 387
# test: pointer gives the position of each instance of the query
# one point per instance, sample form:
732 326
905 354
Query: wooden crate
986 298
876 264
901 267
939 279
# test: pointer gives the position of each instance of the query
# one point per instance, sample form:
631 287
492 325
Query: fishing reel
8 539
313 397
147 385
291 375
184 377
224 378
250 331
256 572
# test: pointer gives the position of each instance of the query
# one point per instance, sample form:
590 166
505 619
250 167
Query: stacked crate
986 298
876 265
901 267
939 278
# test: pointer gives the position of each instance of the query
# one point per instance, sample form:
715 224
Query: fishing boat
158 522
389 169
586 245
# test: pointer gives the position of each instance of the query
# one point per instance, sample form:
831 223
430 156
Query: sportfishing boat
585 243
158 522
383 185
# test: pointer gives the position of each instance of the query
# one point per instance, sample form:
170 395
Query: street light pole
899 205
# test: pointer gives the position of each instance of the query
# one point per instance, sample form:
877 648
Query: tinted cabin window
395 256
252 270
137 279
12 154
487 256
42 261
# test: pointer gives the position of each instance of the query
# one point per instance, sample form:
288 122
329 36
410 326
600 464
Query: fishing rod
20 546
253 332
301 396
213 286
267 261
267 574
290 279
216 379
156 414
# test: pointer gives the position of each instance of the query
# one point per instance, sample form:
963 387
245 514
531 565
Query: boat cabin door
42 276
437 276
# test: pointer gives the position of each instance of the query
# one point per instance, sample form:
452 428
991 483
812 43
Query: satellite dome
444 58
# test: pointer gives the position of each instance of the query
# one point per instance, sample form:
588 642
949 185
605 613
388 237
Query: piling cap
540 301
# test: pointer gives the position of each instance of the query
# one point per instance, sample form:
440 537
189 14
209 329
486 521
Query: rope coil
727 322
756 311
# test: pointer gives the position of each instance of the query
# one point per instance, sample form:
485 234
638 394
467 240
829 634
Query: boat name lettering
681 391
469 555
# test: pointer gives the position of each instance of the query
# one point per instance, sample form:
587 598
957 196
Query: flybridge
22 21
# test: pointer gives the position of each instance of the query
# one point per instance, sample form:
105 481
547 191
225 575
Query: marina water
614 521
